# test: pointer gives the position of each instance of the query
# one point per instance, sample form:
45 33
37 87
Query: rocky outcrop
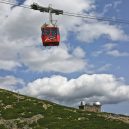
13 123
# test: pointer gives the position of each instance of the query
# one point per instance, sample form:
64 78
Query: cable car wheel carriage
50 32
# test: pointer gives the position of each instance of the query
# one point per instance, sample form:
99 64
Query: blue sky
91 63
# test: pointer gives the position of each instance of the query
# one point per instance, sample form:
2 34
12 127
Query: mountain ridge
23 112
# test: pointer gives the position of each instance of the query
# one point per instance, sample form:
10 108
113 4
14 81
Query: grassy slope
37 114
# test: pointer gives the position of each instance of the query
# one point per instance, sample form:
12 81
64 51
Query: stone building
94 107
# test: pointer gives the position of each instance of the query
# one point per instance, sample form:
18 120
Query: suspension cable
116 20
83 16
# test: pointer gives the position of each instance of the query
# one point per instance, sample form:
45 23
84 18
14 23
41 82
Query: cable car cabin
50 35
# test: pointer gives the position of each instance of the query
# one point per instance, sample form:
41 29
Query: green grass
54 117
2 127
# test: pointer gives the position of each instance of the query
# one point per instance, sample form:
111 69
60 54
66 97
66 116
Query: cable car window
46 31
54 32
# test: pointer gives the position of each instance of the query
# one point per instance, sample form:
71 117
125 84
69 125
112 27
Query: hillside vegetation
21 112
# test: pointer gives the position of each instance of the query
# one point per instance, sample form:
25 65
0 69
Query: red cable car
50 35
50 32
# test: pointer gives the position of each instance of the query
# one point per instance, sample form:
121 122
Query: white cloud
111 50
78 52
4 12
8 65
11 83
10 53
117 53
113 5
109 46
56 59
105 88
89 32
